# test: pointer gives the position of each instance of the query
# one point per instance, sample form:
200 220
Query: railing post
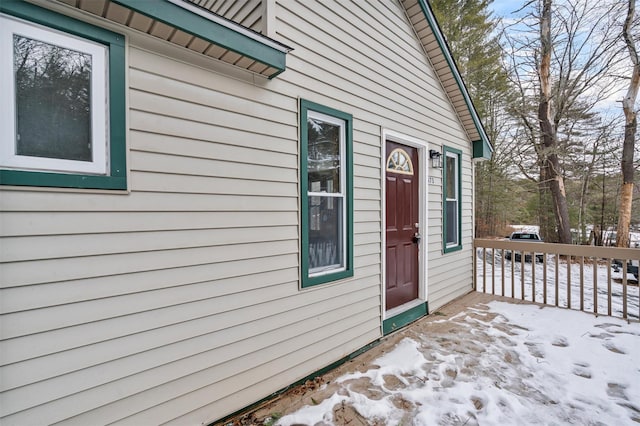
624 289
502 270
513 275
484 269
582 283
544 278
493 271
557 256
609 286
533 276
595 286
522 275
569 281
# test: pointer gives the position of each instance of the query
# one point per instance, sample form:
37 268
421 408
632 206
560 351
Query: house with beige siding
205 201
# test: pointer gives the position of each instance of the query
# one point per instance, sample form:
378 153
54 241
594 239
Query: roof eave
482 148
214 29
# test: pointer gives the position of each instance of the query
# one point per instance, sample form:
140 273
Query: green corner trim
117 177
394 323
435 29
306 280
481 149
213 32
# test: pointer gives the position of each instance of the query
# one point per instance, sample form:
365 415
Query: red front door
402 228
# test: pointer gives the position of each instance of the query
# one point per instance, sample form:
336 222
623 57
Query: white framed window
63 116
54 111
326 193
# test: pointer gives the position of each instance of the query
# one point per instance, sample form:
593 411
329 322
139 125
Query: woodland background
549 80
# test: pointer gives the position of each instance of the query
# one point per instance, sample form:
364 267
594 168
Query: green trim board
306 280
458 153
117 175
211 31
444 47
311 376
389 325
398 321
61 180
482 149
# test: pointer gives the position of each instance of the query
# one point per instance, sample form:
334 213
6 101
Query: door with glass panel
402 224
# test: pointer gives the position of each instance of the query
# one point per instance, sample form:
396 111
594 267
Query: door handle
416 237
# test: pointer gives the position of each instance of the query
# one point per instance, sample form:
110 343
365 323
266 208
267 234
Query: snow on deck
491 364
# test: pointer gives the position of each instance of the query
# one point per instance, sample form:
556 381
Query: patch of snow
512 364
406 359
322 412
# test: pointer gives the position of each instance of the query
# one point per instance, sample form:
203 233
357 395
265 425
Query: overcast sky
504 7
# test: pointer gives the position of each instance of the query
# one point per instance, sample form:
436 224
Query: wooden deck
292 398
474 298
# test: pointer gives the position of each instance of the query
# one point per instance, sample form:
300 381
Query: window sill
20 179
452 249
326 279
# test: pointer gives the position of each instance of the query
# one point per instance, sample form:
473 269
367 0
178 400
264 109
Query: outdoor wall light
436 159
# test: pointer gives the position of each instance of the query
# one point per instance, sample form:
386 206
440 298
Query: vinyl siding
247 13
450 274
179 301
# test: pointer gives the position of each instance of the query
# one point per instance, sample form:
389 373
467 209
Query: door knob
416 237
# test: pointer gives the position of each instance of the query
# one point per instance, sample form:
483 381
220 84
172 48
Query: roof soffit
193 27
435 46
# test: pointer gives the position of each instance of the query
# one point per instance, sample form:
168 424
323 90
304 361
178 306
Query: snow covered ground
592 298
495 364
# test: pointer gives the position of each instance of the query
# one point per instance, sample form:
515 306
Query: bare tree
630 128
550 173
596 142
560 54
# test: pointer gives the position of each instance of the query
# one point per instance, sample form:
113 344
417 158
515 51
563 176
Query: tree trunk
631 125
583 208
550 163
546 221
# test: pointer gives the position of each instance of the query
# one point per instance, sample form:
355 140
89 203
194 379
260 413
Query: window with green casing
326 170
452 233
62 114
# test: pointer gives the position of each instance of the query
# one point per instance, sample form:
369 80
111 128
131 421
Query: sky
504 8
611 104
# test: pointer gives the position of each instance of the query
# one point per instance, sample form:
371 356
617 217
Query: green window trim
117 172
306 279
270 52
446 248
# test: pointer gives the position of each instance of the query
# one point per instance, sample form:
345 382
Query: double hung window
62 109
327 194
451 201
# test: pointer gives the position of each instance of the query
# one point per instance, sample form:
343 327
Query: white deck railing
585 278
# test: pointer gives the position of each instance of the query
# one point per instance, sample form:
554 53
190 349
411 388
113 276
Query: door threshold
402 308
402 315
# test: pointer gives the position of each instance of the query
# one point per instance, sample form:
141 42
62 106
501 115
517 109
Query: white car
529 237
